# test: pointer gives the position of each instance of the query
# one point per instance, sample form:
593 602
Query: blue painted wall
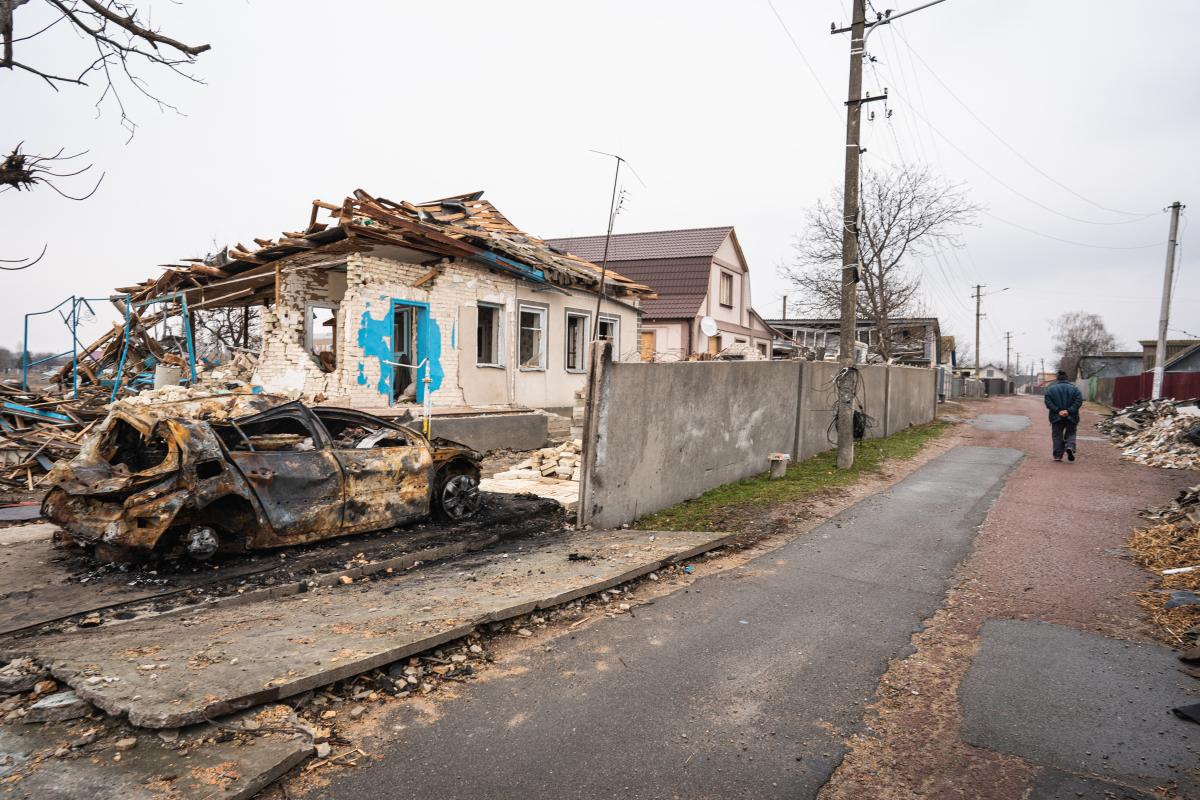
375 339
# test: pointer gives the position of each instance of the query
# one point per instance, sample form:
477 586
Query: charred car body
245 472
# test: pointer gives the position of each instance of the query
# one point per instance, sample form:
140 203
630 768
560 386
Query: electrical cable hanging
912 50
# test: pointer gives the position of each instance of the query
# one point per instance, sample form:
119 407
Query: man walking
1064 401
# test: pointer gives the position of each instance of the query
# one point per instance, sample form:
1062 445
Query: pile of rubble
1170 547
37 429
1157 433
555 463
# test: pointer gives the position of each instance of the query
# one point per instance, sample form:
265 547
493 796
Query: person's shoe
1070 454
1058 458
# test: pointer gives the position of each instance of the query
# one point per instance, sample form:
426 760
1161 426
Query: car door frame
302 494
384 486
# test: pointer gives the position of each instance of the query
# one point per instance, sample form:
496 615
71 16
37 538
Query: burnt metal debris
242 472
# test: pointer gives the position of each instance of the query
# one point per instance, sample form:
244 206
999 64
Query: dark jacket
1063 395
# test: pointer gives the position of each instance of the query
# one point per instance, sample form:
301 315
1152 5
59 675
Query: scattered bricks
58 707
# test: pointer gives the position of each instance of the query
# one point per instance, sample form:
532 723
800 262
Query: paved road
743 685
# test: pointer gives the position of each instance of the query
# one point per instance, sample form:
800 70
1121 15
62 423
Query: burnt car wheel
458 496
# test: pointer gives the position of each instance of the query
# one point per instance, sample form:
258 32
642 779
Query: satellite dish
708 326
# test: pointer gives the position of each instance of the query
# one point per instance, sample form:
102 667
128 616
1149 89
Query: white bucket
166 375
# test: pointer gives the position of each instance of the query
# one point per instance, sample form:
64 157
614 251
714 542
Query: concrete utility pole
1164 314
1007 352
784 307
847 380
978 297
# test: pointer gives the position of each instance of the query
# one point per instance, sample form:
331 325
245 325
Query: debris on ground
1157 433
1171 548
560 463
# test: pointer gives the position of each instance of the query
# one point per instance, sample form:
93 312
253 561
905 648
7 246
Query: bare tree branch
906 213
23 171
120 37
1078 334
24 262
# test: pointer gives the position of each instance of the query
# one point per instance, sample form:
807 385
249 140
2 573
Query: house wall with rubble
363 292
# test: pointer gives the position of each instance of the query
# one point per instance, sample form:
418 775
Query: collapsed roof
464 226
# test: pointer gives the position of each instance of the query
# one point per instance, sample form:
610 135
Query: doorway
404 351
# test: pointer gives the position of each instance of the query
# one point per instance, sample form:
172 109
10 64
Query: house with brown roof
694 273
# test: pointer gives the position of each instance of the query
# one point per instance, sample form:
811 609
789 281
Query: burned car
245 472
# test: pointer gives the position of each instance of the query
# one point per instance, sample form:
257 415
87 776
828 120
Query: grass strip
804 479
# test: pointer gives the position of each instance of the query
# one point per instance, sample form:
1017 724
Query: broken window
577 336
487 335
532 353
608 331
726 290
320 333
275 433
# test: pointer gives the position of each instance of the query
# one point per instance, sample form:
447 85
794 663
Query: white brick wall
372 282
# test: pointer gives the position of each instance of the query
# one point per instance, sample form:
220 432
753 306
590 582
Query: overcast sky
710 102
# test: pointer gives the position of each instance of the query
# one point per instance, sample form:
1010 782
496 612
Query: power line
1005 184
1070 241
804 58
912 51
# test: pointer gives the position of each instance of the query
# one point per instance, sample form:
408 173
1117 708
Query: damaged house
393 300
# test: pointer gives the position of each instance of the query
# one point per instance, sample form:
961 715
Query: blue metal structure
71 320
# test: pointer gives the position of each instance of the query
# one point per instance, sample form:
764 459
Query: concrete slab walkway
168 671
743 685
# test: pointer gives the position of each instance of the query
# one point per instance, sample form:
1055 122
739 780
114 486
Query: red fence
1177 385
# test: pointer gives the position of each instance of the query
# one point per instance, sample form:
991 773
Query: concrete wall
658 434
516 431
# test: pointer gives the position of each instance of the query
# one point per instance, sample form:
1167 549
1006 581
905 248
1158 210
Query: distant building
1110 365
916 341
696 273
1175 347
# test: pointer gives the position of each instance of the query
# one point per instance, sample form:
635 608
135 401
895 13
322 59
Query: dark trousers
1063 432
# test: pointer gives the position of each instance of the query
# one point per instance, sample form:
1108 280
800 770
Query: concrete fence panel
912 398
668 432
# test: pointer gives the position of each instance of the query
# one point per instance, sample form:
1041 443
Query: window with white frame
488 337
609 331
532 342
726 290
577 337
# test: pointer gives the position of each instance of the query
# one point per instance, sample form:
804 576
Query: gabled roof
675 264
463 226
1179 357
684 243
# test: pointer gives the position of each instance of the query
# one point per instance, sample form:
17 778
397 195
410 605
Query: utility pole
978 297
847 379
1164 314
784 307
1007 352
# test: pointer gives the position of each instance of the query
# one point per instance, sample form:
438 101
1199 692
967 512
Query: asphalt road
744 685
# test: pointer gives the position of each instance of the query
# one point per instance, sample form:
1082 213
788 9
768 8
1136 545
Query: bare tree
1078 334
906 213
231 329
116 43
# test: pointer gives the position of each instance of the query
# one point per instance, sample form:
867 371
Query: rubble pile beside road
552 463
1170 547
1157 433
